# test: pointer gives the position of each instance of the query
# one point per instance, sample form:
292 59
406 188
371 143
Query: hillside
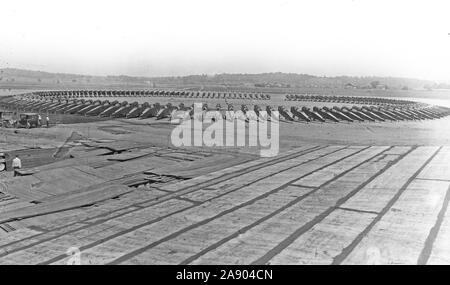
15 78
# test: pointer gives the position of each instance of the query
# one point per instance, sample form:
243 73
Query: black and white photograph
224 133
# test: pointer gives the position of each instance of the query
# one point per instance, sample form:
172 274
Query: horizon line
226 73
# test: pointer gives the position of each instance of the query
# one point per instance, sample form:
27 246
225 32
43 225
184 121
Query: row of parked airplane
149 93
349 99
124 109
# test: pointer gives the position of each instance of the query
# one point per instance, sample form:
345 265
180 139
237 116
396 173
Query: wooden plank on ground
99 231
180 156
100 211
22 187
375 195
88 152
399 237
122 169
208 165
440 253
132 242
129 155
254 244
73 201
70 162
200 238
398 150
439 166
326 239
246 178
16 204
122 145
322 176
233 170
16 236
66 179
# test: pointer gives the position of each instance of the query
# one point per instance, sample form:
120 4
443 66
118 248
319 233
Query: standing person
48 121
39 120
16 164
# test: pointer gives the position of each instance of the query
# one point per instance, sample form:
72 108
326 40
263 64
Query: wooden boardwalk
311 205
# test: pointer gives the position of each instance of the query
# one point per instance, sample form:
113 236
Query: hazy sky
179 37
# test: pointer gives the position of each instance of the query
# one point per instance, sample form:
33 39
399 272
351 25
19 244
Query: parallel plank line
168 196
346 251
